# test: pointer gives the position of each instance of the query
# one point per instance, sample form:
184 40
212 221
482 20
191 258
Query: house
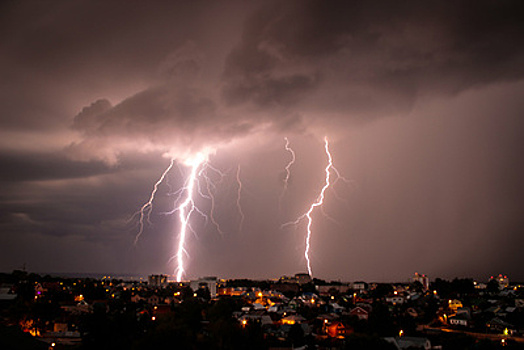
460 320
292 319
256 317
454 305
360 313
496 325
395 299
338 329
413 343
338 309
365 306
275 307
6 293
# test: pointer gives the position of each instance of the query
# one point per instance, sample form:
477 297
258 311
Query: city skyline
422 104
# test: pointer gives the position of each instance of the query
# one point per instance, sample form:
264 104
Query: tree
492 286
381 321
204 293
443 288
381 290
463 286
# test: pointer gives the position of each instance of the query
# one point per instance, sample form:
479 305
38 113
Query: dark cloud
176 120
315 60
21 166
351 56
59 56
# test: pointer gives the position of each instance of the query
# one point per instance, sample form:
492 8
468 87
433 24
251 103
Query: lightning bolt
184 203
210 195
145 211
317 203
291 162
185 209
239 193
288 166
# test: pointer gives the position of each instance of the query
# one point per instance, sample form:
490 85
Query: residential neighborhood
290 312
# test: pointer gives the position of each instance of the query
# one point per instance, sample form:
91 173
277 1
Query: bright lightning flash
184 203
147 208
318 202
185 209
239 194
291 162
210 194
288 166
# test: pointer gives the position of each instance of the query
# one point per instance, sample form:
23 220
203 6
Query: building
300 278
360 313
461 320
395 299
333 289
338 329
454 305
502 280
157 280
303 278
360 286
287 279
422 279
206 282
413 343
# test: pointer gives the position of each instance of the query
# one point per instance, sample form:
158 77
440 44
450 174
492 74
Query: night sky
422 102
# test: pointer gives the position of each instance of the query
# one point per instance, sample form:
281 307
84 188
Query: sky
422 104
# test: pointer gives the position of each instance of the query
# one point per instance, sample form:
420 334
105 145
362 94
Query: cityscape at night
261 174
289 312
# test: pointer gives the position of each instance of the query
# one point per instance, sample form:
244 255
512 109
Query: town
291 312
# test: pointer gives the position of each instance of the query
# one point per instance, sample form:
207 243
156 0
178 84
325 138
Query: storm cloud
422 102
350 56
301 63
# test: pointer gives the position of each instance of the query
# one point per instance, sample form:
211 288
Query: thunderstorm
317 203
184 204
287 168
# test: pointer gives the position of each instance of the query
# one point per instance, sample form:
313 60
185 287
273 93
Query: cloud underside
310 63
